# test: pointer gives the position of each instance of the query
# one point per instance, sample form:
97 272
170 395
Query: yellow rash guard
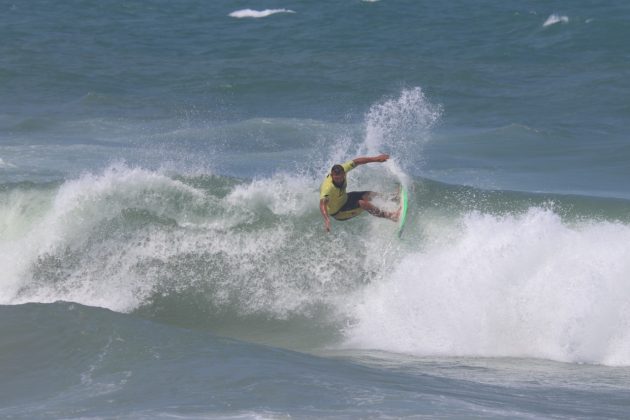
337 197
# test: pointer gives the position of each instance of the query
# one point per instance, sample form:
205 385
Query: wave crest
554 19
257 14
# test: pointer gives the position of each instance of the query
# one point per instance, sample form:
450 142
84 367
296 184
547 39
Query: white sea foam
257 14
525 285
113 239
555 18
65 222
283 194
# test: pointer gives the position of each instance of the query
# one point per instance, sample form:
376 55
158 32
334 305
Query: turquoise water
161 248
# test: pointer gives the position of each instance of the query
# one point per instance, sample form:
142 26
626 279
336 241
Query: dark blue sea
162 252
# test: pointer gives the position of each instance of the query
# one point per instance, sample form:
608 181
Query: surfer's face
338 178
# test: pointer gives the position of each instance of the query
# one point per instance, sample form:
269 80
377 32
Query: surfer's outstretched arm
324 210
370 159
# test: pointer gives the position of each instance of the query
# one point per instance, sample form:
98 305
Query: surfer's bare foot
395 215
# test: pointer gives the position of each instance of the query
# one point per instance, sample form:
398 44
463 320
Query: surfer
335 202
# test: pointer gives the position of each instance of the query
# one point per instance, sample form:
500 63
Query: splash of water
401 126
525 285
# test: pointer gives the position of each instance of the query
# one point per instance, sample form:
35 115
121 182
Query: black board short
351 207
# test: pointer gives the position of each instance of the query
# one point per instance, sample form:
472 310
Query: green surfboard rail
404 204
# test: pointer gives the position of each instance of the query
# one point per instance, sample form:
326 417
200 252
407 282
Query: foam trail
257 14
514 286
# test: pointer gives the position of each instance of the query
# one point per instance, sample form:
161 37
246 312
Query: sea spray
401 126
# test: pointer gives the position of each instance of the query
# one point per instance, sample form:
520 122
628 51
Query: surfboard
404 204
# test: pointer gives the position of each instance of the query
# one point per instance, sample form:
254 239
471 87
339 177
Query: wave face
83 361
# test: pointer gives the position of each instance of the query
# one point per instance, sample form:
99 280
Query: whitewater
523 284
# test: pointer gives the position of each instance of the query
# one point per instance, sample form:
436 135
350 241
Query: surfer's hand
327 225
381 158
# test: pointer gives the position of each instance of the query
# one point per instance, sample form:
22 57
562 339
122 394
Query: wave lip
257 14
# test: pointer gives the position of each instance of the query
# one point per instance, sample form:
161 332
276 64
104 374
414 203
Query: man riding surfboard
335 202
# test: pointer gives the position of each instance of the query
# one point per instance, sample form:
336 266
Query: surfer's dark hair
337 169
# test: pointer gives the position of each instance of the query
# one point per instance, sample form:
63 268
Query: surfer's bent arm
363 160
324 210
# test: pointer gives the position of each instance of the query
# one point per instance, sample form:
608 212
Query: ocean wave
524 278
478 273
122 238
257 14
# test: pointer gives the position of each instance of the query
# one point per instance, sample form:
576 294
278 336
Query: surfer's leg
366 205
